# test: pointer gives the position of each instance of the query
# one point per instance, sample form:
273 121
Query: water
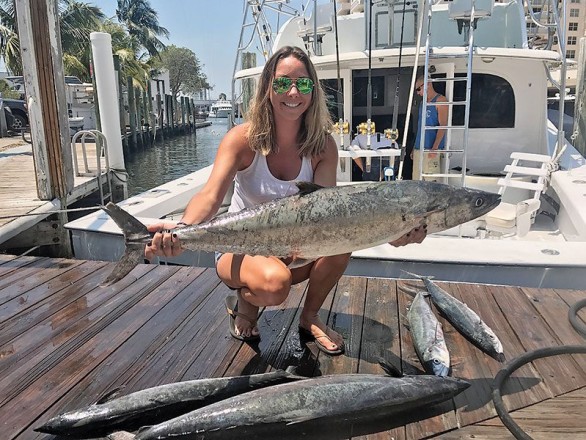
173 158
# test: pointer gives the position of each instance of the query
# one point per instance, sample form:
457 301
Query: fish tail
135 237
421 277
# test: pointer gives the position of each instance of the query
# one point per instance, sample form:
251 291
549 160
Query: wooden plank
475 403
380 340
560 417
82 331
48 322
554 310
346 317
11 263
138 356
88 352
439 418
16 284
534 333
41 294
278 342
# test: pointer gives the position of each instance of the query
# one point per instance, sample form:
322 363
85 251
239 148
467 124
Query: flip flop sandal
306 336
232 309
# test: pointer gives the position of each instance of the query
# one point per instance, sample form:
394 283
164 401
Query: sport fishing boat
495 78
220 109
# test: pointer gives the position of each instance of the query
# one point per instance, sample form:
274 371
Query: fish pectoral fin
307 187
121 435
300 420
110 395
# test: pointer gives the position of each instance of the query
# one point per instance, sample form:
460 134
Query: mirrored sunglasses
283 84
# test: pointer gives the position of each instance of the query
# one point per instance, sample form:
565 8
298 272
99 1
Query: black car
19 118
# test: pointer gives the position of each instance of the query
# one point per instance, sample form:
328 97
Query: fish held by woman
317 221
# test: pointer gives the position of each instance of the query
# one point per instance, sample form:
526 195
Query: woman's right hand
164 242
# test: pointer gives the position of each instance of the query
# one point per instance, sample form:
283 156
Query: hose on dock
518 362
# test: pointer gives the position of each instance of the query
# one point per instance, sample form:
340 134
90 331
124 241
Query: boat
222 108
499 137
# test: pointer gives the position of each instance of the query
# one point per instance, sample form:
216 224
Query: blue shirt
431 120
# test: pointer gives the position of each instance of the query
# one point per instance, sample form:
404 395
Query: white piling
107 86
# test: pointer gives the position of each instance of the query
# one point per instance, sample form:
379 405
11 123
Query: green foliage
134 30
7 92
184 68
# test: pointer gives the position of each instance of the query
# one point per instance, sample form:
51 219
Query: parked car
19 119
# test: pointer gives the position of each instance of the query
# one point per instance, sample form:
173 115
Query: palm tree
142 23
77 21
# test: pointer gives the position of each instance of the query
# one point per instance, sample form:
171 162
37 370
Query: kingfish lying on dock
154 405
276 411
428 337
465 320
318 221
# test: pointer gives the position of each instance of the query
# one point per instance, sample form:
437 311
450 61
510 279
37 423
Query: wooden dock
65 341
20 206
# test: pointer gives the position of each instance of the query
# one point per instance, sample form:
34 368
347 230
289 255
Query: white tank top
256 184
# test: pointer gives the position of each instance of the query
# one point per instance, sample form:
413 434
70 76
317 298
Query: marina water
175 157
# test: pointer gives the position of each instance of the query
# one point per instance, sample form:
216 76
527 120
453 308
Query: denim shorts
217 257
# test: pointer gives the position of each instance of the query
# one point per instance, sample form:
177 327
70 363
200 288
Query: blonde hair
316 121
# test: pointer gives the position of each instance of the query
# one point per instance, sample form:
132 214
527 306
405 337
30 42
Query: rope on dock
56 211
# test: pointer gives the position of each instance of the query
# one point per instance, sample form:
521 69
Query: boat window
492 102
330 88
361 87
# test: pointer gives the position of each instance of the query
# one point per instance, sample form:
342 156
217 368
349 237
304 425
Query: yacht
495 77
220 109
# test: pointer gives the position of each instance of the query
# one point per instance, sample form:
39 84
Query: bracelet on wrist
182 224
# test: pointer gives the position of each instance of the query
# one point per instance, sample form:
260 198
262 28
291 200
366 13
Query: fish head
496 347
456 205
437 367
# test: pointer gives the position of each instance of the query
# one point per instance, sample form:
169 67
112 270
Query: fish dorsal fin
307 187
110 395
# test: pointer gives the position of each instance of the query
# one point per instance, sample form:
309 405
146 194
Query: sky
210 28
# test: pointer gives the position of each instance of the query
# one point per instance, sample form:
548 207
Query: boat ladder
102 175
466 15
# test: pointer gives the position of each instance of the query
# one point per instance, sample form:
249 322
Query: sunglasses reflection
283 84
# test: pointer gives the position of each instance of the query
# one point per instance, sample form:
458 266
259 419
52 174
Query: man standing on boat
285 140
434 139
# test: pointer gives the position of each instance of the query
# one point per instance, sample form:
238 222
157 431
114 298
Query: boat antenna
340 95
394 133
369 86
411 90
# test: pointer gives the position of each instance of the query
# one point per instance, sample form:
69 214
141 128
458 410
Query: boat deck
65 341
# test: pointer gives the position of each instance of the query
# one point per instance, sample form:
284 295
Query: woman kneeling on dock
285 140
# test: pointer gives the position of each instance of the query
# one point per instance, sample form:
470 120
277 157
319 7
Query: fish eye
435 361
479 202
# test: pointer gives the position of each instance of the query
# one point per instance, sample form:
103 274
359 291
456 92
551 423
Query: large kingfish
428 337
276 411
318 221
157 404
465 320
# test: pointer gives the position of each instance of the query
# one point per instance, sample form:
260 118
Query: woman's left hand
415 235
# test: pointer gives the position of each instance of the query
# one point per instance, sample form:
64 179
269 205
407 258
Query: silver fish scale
339 396
427 333
465 320
332 221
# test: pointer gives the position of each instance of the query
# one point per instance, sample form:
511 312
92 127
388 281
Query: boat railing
97 138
